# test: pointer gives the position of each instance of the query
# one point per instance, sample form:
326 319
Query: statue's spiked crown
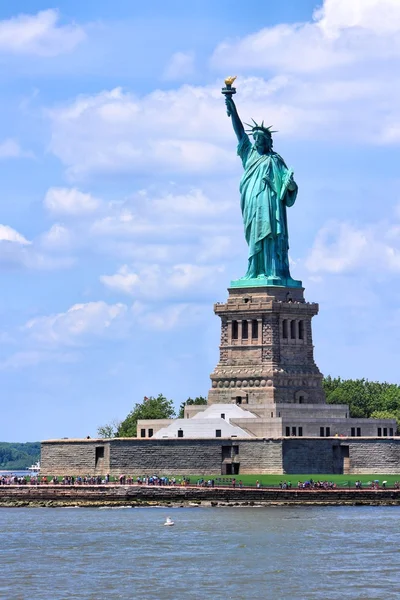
256 127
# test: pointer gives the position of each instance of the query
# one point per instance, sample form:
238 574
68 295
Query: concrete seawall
119 495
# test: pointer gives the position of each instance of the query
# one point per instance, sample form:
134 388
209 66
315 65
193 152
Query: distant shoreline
138 496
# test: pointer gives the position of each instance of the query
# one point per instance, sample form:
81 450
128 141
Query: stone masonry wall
61 457
260 456
145 457
368 456
311 456
131 495
274 365
365 455
191 456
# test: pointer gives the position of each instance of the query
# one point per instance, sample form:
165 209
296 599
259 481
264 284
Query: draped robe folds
265 194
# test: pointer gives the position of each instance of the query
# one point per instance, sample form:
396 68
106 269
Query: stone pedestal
266 351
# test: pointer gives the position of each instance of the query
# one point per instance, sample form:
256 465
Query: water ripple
279 553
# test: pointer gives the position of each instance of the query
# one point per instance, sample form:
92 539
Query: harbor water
215 553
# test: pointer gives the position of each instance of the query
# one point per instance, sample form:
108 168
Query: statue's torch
228 90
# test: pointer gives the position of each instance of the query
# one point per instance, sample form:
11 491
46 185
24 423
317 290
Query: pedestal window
235 330
285 329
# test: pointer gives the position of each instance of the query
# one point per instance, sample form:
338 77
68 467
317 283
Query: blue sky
119 214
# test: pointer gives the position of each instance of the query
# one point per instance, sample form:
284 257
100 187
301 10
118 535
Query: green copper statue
267 188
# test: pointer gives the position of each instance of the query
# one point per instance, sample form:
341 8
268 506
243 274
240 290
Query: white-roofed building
223 411
201 421
200 428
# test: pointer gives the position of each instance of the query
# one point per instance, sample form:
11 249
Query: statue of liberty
267 187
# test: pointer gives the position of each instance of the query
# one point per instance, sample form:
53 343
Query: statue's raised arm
233 114
231 109
267 188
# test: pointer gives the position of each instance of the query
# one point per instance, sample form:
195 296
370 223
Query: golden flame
230 80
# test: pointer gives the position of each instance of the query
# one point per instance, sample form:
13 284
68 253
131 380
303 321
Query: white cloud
8 234
219 247
32 358
172 316
181 65
154 282
149 252
338 247
342 33
70 201
58 237
291 48
187 276
18 256
195 203
160 221
122 222
186 131
123 281
345 248
79 323
147 228
174 131
378 16
18 252
334 74
10 149
39 35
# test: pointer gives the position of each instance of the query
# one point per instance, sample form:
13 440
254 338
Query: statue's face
262 142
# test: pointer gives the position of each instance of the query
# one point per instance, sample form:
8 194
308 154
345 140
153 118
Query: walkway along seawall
134 495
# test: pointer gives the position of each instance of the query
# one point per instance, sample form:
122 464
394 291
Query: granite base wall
145 457
60 457
312 456
260 456
343 455
382 457
167 457
210 456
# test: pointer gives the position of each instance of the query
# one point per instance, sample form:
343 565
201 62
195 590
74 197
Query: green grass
274 480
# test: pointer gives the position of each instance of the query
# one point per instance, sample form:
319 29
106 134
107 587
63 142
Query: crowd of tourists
157 480
86 480
316 485
15 480
205 483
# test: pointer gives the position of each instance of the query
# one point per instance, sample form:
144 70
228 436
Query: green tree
363 397
18 455
190 401
109 430
150 408
386 414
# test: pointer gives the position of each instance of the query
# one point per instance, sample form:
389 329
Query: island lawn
266 481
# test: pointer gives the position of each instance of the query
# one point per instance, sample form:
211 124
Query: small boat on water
34 468
169 522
